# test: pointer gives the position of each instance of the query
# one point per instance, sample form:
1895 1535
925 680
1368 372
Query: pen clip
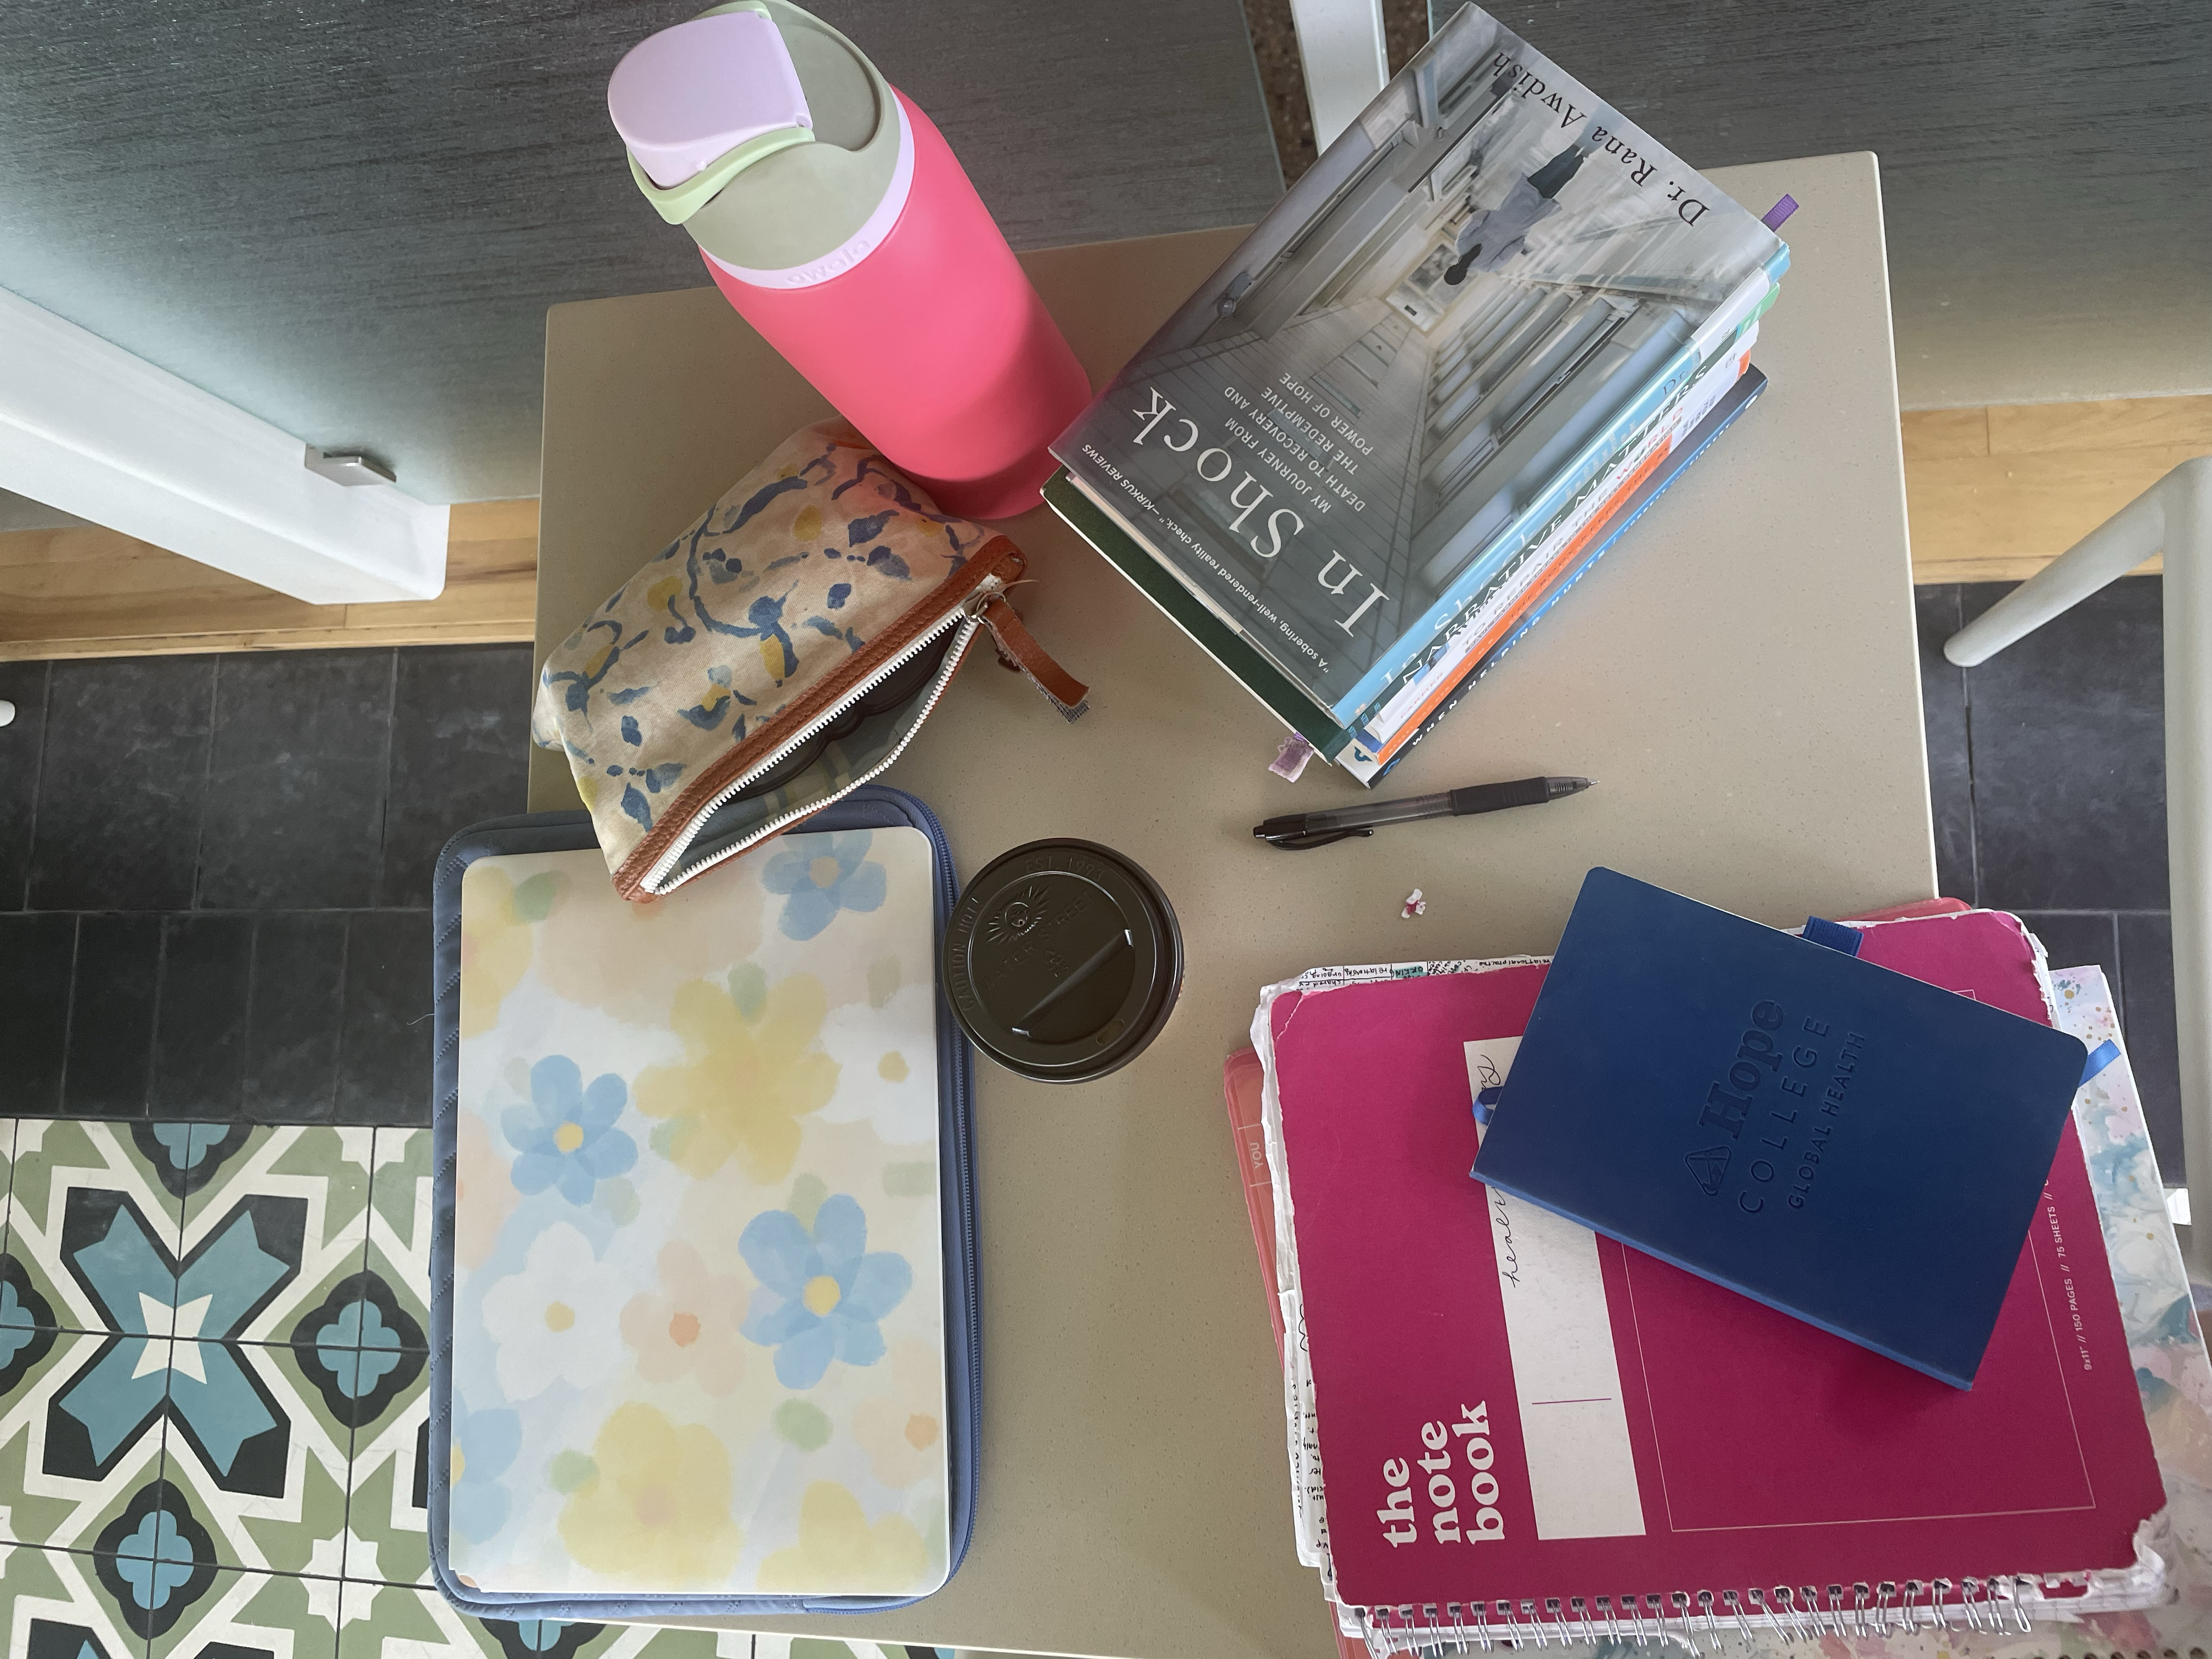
1301 841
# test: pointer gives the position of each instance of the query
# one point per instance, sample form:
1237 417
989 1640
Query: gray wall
349 219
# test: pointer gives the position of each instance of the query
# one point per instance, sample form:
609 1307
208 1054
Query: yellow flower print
496 937
837 1549
902 1431
751 1072
652 1505
630 959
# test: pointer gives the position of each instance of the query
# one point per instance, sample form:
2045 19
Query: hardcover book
1483 294
1839 1140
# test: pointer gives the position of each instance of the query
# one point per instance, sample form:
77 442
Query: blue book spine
1724 416
1719 331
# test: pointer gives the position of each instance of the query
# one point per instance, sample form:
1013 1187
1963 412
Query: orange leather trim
1018 645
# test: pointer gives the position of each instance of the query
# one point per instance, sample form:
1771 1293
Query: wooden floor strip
1993 494
86 591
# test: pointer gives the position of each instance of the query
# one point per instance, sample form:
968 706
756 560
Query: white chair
2174 516
1341 50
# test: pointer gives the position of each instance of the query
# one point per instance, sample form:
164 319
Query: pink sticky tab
684 96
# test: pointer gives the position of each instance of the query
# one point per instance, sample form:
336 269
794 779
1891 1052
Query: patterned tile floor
213 1411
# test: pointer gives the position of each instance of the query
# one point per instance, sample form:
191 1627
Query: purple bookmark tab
1291 757
1776 215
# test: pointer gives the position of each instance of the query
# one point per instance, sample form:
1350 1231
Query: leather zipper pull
1018 650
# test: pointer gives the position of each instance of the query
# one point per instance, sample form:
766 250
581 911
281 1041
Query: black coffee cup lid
1062 960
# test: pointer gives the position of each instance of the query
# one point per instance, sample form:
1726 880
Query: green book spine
1281 694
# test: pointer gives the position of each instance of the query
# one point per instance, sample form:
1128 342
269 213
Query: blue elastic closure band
2100 1057
1834 934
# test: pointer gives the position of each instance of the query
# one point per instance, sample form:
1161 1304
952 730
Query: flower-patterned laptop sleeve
704 1320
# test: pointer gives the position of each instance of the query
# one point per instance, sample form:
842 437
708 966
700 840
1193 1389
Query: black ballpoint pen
1299 830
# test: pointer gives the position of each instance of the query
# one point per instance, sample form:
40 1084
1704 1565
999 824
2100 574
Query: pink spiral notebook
1521 1418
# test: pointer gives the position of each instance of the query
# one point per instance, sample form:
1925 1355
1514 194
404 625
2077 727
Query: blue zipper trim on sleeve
955 1155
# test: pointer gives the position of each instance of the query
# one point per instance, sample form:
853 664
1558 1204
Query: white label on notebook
1582 1469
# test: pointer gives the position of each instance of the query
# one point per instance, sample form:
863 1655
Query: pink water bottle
837 221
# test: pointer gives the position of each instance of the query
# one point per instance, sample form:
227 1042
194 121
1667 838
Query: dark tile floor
2047 767
214 871
215 875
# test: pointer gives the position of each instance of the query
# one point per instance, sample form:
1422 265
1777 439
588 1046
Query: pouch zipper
966 617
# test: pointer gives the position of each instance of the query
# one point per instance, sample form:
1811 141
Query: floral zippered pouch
776 655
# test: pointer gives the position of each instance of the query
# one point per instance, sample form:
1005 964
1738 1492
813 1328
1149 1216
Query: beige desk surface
1740 677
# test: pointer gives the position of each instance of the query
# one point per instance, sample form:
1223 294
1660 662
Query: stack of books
1457 359
1506 1430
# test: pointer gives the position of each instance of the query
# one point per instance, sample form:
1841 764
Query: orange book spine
1241 1083
1564 559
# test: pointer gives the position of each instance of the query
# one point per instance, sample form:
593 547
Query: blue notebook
1836 1139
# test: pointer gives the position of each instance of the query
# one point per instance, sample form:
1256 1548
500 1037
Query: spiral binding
1702 1619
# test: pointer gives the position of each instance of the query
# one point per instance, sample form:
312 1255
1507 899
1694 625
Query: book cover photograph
1476 299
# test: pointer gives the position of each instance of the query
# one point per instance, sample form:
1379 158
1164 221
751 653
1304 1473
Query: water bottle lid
693 94
788 205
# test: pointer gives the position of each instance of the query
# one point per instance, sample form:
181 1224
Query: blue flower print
484 1447
154 1560
188 1143
359 1348
716 701
566 1137
548 1635
18 1327
821 882
822 1293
